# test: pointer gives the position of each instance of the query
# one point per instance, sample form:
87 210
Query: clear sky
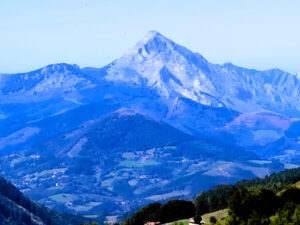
258 34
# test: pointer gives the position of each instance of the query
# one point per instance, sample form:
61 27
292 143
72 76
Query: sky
259 34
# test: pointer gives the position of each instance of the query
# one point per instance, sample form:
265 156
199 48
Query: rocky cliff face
159 122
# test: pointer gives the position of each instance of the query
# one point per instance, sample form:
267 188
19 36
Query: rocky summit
159 122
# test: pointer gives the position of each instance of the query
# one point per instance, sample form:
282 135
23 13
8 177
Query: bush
146 214
218 197
289 214
215 199
197 219
212 220
252 207
175 210
171 211
290 194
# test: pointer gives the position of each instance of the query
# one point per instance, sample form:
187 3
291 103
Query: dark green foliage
291 194
136 219
175 210
214 199
147 213
243 203
288 215
170 211
256 219
151 211
197 219
250 202
257 207
212 220
267 203
15 209
218 197
274 182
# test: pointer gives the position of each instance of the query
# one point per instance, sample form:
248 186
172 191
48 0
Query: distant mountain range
157 123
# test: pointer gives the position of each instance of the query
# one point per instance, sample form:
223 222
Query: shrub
175 210
197 219
212 219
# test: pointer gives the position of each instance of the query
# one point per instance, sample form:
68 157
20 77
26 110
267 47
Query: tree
175 210
241 204
252 207
288 215
295 218
257 219
267 203
145 214
290 194
197 219
214 199
151 212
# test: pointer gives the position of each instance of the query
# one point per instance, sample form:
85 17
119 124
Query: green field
64 198
220 216
130 163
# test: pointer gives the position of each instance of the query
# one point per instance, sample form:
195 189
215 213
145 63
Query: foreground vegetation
272 200
264 207
171 211
218 197
219 216
16 209
249 202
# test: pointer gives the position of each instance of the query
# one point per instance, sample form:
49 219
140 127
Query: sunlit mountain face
159 122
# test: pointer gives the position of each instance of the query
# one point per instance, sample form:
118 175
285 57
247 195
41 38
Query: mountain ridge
157 62
146 126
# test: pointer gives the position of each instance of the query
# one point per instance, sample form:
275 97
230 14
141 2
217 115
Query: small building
152 223
191 220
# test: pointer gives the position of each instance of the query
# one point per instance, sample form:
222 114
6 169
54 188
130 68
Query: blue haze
256 34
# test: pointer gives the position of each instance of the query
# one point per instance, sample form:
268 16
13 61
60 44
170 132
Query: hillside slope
124 159
146 127
16 209
255 198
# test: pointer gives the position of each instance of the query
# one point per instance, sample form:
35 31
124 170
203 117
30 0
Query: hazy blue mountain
125 159
158 122
173 70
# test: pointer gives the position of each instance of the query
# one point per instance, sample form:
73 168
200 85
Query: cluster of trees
218 197
264 207
172 210
261 198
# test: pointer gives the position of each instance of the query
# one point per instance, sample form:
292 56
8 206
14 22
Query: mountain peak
152 34
152 41
60 67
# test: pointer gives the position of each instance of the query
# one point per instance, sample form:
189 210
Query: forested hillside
16 209
158 122
264 207
274 199
218 197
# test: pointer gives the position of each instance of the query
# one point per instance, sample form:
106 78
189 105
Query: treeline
219 197
155 212
264 207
